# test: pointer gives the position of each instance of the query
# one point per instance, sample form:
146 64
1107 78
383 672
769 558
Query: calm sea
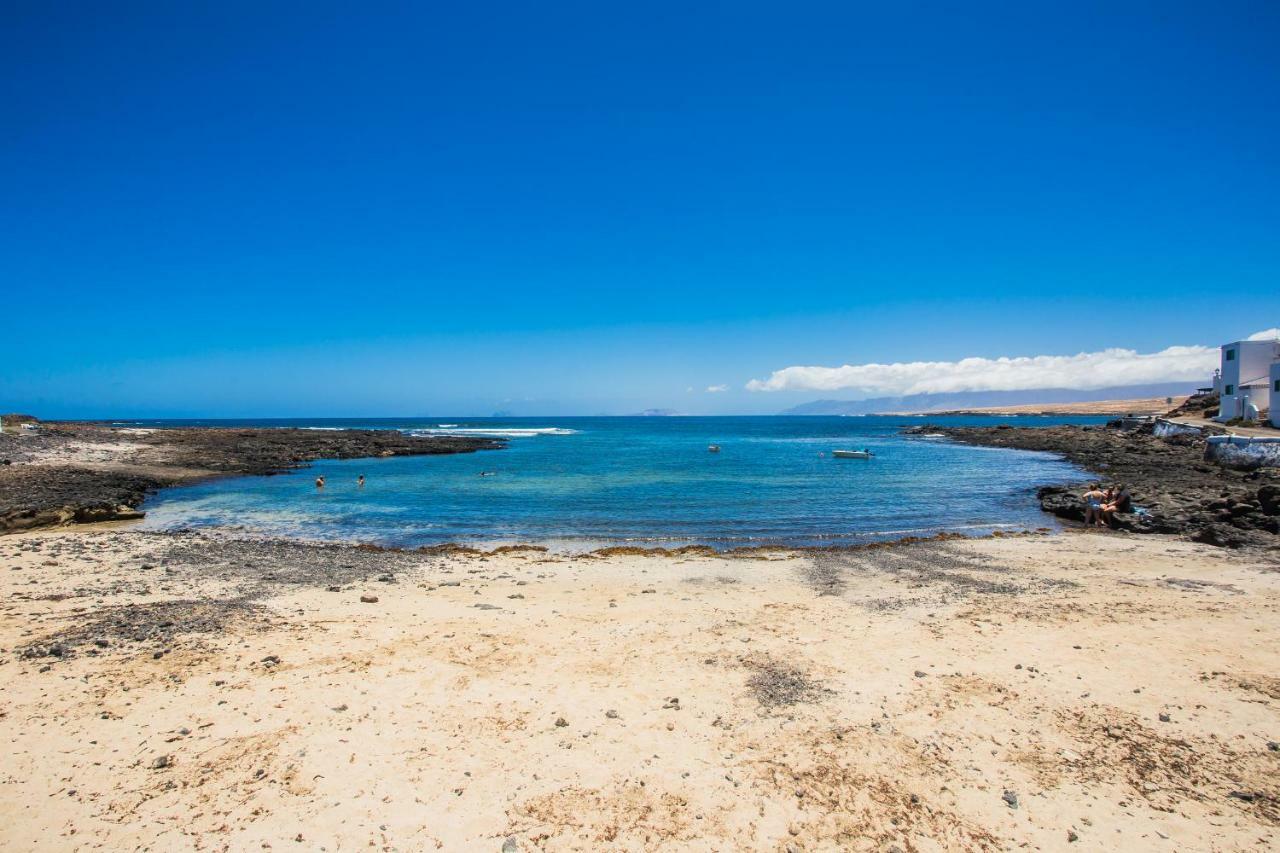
579 482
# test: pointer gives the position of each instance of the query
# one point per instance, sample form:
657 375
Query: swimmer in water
320 482
360 482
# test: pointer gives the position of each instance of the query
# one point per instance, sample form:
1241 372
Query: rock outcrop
37 494
1168 478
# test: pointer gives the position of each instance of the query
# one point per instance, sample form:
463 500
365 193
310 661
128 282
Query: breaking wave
494 432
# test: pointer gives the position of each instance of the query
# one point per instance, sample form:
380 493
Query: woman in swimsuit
1094 499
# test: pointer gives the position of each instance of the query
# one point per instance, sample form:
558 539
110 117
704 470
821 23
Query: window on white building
1229 390
1231 355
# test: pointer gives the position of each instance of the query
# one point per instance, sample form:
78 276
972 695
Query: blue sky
284 209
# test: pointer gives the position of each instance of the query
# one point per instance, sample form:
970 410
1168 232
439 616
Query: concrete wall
1164 429
1251 366
1241 452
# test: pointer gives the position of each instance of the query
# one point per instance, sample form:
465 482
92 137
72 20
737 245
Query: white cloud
1084 371
1267 335
716 389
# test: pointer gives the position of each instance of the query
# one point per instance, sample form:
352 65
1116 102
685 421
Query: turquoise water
580 482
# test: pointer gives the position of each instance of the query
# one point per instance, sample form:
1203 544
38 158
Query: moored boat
852 454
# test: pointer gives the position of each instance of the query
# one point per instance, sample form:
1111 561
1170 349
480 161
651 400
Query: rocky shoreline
73 473
1168 478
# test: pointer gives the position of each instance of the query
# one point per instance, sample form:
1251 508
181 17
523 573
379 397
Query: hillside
1035 400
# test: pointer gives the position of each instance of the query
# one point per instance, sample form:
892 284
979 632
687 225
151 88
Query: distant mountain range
961 400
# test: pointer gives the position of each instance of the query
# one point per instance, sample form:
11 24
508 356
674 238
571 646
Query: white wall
1241 452
1251 365
1164 429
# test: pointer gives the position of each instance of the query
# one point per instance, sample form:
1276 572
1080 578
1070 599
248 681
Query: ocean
579 483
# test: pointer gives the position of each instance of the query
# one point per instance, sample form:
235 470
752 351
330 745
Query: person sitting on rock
1093 501
1118 500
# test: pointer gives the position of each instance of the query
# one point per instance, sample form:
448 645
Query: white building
1275 394
1246 378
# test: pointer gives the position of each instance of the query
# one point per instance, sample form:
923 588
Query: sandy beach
519 427
185 691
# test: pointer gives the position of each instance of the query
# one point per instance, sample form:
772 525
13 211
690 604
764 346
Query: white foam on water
496 432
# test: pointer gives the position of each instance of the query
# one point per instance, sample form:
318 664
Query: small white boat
852 454
713 448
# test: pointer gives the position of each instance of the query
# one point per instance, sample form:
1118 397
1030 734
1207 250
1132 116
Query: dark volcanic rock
271 451
44 495
1269 498
1168 478
1220 534
1062 501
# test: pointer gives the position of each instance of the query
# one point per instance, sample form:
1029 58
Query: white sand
422 722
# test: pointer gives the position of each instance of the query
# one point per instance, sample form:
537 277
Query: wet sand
173 692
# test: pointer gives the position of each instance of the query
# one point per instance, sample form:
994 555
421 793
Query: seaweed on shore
779 685
924 565
634 550
157 624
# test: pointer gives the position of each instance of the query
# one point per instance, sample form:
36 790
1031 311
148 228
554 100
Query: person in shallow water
320 482
360 482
